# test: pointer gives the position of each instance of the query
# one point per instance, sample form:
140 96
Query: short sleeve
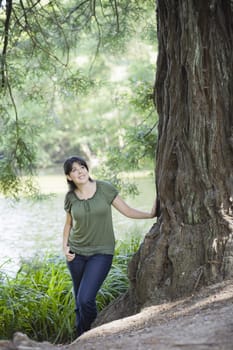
109 191
67 203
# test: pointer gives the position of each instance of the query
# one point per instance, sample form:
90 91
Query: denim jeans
88 273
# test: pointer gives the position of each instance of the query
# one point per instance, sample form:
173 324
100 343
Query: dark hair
68 165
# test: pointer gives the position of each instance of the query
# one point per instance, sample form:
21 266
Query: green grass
39 302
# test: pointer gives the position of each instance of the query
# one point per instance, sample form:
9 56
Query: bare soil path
202 321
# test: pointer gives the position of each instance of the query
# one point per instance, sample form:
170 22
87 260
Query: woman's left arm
132 213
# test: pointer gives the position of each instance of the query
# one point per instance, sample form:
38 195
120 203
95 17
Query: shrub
39 302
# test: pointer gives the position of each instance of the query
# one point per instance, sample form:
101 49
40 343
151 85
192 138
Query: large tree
194 90
191 245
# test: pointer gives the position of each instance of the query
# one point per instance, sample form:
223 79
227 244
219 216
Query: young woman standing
88 236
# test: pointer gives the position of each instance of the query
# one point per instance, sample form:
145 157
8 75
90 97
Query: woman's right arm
66 233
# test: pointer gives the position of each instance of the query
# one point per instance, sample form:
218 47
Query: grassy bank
38 301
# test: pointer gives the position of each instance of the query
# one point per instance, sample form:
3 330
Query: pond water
28 228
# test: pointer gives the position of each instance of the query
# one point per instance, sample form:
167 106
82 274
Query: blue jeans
88 273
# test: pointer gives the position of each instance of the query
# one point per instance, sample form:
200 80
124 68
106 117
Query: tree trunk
192 243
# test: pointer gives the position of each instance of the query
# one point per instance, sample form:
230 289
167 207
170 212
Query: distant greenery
39 302
76 77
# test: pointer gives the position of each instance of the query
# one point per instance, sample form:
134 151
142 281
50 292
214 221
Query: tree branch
5 43
74 9
27 28
99 35
117 15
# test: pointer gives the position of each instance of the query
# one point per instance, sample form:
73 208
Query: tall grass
39 302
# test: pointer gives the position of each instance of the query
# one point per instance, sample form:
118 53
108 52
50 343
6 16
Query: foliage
18 155
38 301
62 85
135 147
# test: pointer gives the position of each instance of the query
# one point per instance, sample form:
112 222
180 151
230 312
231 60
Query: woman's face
79 174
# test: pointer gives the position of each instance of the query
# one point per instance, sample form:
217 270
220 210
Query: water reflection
29 228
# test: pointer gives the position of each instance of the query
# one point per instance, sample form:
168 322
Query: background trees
76 78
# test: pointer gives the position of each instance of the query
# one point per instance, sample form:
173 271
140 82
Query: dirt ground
200 322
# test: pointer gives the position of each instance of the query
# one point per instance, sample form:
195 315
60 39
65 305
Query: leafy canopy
76 77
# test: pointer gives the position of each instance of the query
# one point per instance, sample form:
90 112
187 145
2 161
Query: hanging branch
34 40
99 33
5 43
117 15
74 9
4 75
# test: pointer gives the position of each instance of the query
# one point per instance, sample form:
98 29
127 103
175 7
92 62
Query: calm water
28 228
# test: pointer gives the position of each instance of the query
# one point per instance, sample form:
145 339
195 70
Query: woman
88 237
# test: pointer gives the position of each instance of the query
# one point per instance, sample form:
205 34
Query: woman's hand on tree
154 210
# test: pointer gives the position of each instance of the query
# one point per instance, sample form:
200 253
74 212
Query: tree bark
192 243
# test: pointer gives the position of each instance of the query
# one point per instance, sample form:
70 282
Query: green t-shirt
92 230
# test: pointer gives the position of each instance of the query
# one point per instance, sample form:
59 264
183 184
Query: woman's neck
87 190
